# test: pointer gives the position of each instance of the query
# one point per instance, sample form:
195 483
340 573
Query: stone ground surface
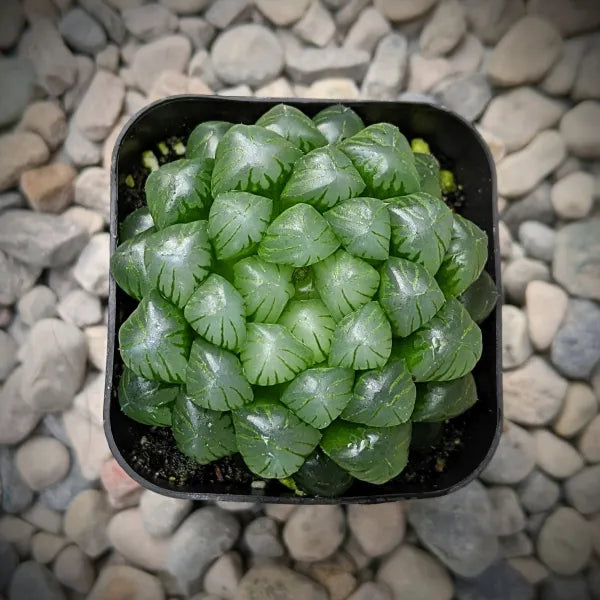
527 73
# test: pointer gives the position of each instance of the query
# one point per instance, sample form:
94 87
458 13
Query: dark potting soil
154 454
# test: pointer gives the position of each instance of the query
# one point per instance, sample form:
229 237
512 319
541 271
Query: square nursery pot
459 146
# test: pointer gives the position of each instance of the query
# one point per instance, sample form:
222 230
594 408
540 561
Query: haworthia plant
179 192
301 282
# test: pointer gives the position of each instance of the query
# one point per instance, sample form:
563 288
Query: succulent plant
305 294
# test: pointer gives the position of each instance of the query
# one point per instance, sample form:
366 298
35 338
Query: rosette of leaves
305 294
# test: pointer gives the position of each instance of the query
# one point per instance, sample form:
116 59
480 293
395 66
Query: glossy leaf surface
265 287
428 169
383 397
216 311
215 378
128 268
318 396
179 192
362 340
320 476
145 401
382 156
337 123
409 295
480 297
202 434
253 159
304 284
322 178
363 227
155 340
298 237
293 125
345 283
371 454
421 229
178 258
237 222
439 401
311 323
446 347
205 138
272 440
464 259
273 355
135 223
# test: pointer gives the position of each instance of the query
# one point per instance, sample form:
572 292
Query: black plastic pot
449 136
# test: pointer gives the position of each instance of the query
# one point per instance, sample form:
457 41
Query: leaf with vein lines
409 295
273 355
134 223
480 297
371 454
311 323
322 178
363 227
293 125
337 123
205 138
155 340
362 340
272 440
237 222
215 378
128 268
383 397
298 237
265 287
202 434
253 159
441 400
216 311
345 283
446 347
178 258
318 396
428 169
421 229
179 192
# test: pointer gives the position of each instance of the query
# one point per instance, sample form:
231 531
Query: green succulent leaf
322 178
205 138
272 440
273 355
216 311
145 401
345 283
421 229
363 227
318 396
320 476
409 295
128 268
446 347
253 159
135 223
337 123
265 287
382 156
298 237
480 297
178 258
293 125
428 169
202 434
439 401
371 454
362 340
304 284
464 259
215 378
179 192
155 340
237 222
311 323
383 397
